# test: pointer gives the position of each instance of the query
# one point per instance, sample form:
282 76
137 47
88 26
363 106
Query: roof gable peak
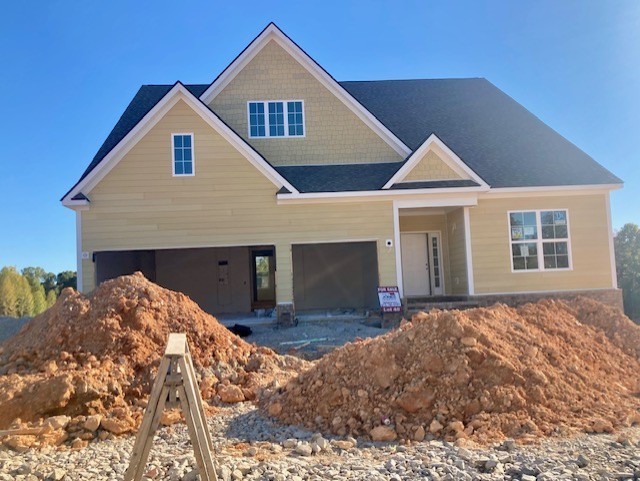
273 33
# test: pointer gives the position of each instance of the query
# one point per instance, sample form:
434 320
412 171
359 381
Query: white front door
422 273
415 264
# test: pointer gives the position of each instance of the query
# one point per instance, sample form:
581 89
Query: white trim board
612 251
447 155
541 191
272 32
448 197
79 277
177 93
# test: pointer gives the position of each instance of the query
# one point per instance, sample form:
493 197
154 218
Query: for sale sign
389 299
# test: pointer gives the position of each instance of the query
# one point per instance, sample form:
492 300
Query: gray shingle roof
498 138
339 178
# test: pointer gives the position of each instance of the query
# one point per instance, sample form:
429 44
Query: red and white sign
389 299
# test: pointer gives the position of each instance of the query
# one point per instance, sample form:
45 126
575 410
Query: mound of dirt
483 374
98 355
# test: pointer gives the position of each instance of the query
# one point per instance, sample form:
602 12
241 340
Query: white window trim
539 241
173 155
285 111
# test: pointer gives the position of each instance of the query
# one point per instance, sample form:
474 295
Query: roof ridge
415 79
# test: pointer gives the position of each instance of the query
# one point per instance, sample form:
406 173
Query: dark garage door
335 275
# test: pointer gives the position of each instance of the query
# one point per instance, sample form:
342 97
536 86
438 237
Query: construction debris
544 369
97 356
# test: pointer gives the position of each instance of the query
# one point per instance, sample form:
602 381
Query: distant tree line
32 290
627 246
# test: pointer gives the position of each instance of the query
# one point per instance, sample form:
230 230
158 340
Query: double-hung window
276 118
539 240
182 146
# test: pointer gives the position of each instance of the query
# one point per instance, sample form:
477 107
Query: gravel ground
312 339
249 446
10 326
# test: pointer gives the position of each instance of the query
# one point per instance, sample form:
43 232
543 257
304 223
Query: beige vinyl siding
431 223
457 252
589 241
140 205
333 133
431 167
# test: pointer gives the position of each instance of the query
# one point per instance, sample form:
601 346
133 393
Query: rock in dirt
481 374
383 433
230 393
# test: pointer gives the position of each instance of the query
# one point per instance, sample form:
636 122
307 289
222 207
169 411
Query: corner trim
79 276
612 249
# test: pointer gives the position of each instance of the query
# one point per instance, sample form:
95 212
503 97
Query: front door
415 264
263 276
422 273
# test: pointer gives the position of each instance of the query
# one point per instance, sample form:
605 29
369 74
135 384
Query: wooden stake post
175 385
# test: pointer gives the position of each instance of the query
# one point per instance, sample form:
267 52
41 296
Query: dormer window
182 147
276 118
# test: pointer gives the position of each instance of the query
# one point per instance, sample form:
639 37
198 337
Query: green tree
66 279
25 306
36 277
35 274
20 303
8 295
49 281
627 246
39 299
51 298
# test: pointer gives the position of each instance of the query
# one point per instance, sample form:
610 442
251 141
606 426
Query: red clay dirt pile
84 367
550 368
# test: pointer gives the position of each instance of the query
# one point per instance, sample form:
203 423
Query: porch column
469 256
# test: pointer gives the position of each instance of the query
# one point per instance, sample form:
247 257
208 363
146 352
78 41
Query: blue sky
70 68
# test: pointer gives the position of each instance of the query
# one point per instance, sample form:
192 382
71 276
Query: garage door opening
222 280
335 275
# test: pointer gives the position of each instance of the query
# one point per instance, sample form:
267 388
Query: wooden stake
175 385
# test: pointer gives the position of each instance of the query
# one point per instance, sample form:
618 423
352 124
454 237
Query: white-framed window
539 240
183 160
276 118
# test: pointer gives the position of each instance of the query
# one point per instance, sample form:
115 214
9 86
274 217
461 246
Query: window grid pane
294 111
524 226
182 155
276 119
256 119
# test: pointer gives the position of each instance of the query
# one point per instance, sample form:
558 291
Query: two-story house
276 185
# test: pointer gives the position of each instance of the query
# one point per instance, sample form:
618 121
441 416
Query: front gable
144 177
338 129
434 161
178 95
432 167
